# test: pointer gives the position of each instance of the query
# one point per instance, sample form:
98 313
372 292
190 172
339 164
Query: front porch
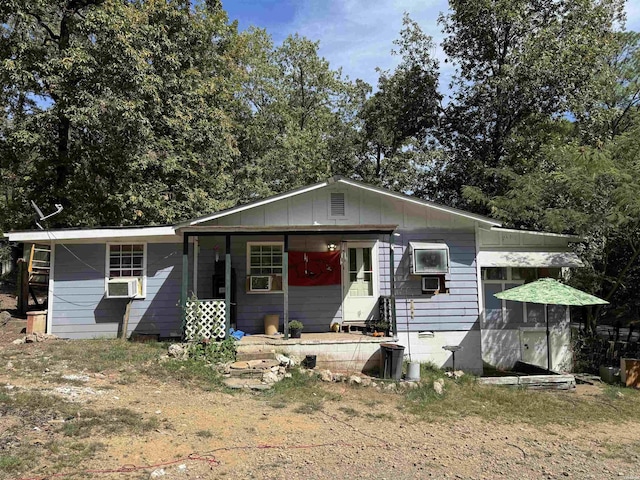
349 352
234 276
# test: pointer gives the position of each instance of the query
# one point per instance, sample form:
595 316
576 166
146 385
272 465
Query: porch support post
392 284
185 279
227 285
285 284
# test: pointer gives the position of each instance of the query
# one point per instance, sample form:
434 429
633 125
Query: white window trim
346 207
248 258
144 265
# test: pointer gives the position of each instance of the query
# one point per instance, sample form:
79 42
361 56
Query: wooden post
185 280
125 320
227 285
23 287
392 284
285 285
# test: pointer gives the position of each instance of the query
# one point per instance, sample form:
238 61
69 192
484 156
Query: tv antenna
42 217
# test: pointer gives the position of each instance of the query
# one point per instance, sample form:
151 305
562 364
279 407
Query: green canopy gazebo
548 291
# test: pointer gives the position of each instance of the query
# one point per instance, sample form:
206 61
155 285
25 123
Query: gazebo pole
546 317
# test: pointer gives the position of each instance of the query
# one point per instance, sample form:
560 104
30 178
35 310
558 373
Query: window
264 266
265 258
126 261
494 273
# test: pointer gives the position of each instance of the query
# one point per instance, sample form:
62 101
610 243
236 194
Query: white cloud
358 35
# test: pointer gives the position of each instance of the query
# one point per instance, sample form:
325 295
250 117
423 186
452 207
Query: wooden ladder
39 269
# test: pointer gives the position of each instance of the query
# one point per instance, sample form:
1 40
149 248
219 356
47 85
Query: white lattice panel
205 319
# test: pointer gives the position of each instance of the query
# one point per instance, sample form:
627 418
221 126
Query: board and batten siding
362 207
80 309
453 311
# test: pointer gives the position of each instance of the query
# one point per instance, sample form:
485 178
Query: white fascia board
543 234
89 234
424 203
251 205
530 259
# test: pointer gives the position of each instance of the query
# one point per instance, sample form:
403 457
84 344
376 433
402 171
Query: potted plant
381 328
295 328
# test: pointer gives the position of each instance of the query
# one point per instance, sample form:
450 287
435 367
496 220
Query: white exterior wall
426 347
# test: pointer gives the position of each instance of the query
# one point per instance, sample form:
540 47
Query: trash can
391 361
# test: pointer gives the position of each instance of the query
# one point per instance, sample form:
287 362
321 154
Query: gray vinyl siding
318 306
314 306
80 309
453 311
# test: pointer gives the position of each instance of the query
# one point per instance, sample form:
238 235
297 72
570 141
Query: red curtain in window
314 268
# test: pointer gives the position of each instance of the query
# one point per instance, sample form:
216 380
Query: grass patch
465 397
204 433
301 388
103 354
190 370
309 407
79 421
10 463
110 422
352 412
380 416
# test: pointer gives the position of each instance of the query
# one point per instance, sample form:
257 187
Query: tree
612 109
518 64
398 119
300 118
121 111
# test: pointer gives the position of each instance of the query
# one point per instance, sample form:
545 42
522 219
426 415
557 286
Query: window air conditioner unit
260 283
429 258
431 284
122 288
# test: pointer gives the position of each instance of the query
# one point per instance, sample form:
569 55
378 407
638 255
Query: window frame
272 275
143 277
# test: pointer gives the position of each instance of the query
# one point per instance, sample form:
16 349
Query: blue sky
356 35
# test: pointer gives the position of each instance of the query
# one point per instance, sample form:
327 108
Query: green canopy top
550 292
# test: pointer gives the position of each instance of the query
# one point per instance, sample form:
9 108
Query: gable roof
173 230
345 181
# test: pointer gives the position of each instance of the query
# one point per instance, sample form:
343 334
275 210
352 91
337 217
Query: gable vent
337 205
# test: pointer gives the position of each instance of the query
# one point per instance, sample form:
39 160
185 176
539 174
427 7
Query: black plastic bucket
309 361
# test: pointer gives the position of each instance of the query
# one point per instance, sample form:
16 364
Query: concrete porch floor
349 352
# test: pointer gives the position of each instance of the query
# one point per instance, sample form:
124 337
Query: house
339 251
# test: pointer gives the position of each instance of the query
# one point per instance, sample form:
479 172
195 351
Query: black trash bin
309 361
391 361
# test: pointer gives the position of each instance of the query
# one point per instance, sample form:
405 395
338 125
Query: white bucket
413 372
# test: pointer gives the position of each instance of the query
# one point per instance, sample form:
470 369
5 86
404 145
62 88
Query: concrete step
246 373
245 356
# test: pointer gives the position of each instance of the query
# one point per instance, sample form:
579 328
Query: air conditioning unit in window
431 284
122 288
429 258
260 283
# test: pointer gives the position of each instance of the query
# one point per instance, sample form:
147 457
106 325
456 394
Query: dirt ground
359 433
